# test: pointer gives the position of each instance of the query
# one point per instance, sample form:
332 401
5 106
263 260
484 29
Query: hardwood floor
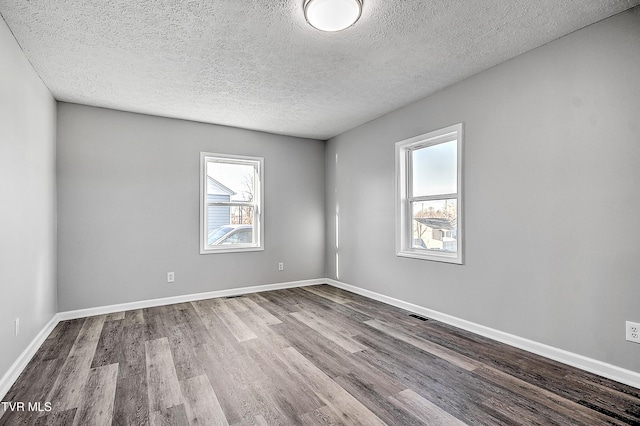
307 356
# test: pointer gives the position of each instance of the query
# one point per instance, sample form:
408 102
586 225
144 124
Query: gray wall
552 196
128 188
27 201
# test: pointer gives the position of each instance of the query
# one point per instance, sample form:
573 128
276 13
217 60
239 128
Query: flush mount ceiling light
332 15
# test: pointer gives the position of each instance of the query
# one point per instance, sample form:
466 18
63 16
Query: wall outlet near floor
16 326
280 266
171 277
633 332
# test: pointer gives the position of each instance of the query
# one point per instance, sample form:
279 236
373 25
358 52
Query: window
231 199
429 196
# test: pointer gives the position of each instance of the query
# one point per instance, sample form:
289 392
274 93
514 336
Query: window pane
435 169
435 225
230 182
229 225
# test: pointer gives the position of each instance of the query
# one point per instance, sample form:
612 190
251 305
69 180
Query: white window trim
258 204
404 180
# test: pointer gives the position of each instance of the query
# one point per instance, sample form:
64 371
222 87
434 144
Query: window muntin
429 196
231 189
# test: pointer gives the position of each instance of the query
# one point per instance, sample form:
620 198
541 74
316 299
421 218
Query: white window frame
404 195
257 203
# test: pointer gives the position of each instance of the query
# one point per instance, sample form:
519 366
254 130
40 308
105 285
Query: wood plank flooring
306 356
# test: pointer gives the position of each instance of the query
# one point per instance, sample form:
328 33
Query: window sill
435 257
231 250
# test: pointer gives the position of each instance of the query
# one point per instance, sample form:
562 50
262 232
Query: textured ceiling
257 64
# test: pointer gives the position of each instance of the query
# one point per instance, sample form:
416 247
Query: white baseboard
101 310
603 369
610 371
19 365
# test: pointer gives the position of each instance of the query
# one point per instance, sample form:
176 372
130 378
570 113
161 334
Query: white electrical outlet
633 332
280 266
16 324
171 277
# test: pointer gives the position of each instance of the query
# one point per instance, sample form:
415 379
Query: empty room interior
319 212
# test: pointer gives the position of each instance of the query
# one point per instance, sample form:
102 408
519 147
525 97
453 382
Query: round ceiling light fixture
332 15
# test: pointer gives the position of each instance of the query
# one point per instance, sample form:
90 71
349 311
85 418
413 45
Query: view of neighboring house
435 234
218 216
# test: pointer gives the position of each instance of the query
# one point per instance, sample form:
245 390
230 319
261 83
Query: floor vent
233 297
419 317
